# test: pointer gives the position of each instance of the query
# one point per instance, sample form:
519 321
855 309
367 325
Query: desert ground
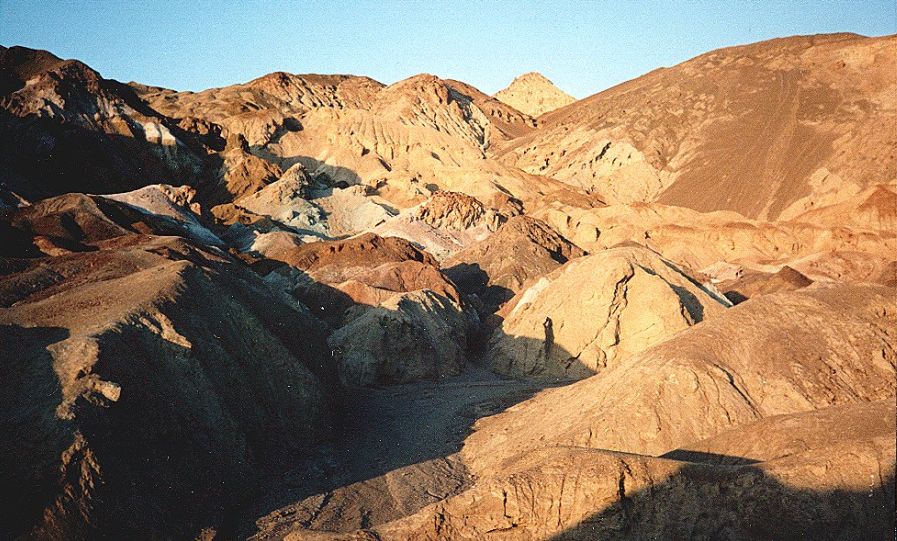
319 307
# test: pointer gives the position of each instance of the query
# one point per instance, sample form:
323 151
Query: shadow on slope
733 499
28 381
325 173
471 278
395 453
52 158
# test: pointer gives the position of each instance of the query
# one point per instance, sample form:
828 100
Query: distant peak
534 94
532 76
419 79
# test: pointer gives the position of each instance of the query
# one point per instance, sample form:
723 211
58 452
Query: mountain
404 141
75 131
533 94
758 129
143 375
322 307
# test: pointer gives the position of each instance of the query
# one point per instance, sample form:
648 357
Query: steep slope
76 131
169 202
782 436
754 129
838 347
593 312
263 101
797 484
148 382
533 94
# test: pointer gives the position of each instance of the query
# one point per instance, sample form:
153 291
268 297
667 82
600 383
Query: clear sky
583 47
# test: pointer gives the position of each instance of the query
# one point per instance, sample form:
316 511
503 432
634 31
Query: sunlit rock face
321 307
532 93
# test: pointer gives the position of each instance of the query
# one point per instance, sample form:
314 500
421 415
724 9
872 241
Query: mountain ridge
322 307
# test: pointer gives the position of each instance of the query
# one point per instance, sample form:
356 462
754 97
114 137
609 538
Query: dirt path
397 453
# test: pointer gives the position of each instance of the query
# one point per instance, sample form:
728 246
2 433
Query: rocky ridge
320 307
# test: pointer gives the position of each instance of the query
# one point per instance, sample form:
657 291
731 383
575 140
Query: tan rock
240 174
772 355
285 202
534 95
411 336
594 312
74 131
750 283
753 129
498 267
697 240
873 209
457 211
576 493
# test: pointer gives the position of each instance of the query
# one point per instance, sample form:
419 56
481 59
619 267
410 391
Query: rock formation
321 307
147 379
534 95
337 261
787 491
593 312
408 337
445 223
332 276
498 267
726 372
695 240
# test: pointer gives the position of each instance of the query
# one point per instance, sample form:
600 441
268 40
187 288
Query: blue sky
583 47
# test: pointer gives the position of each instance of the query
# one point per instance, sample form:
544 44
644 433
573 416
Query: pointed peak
534 94
532 76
